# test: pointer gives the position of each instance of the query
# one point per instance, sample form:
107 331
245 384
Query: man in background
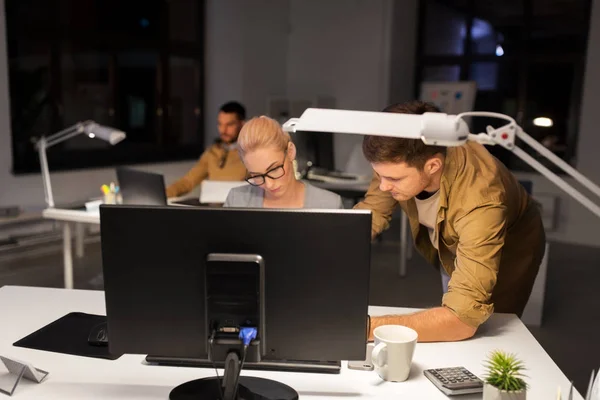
221 161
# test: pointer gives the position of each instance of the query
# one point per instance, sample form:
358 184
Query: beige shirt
217 163
428 211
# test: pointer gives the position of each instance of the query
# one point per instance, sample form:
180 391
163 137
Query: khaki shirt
210 166
491 237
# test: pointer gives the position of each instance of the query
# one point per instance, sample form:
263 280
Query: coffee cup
393 351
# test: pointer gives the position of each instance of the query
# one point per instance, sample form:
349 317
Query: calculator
454 380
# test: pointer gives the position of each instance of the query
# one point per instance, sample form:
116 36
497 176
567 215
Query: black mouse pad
68 335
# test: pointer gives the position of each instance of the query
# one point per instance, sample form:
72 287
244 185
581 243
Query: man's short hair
413 152
233 107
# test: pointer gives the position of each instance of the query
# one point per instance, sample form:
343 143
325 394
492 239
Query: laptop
141 188
215 192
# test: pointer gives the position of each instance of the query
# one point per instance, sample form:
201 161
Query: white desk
24 310
79 218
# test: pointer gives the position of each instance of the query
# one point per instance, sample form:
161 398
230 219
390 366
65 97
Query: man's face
402 181
229 126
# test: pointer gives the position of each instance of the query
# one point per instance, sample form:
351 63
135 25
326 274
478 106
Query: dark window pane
445 29
138 108
485 74
75 60
559 27
500 13
550 93
497 27
485 39
184 107
132 19
86 93
29 17
183 20
443 73
32 107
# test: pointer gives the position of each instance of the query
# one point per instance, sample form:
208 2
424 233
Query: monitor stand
233 386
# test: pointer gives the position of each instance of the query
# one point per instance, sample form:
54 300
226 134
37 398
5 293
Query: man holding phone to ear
220 161
469 216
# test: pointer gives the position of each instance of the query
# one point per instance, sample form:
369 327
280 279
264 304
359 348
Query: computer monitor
315 148
142 188
172 276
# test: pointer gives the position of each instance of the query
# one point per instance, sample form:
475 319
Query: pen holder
113 198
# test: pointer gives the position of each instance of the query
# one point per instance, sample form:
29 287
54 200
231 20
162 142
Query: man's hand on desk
434 325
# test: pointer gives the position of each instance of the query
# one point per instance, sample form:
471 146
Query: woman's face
271 169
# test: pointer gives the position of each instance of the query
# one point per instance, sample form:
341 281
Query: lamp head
437 129
110 135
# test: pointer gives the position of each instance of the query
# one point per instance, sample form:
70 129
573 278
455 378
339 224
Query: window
526 56
133 65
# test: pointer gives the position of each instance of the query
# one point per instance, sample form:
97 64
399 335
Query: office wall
246 48
340 48
403 44
589 135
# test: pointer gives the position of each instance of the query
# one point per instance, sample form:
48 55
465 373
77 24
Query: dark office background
527 57
138 66
135 65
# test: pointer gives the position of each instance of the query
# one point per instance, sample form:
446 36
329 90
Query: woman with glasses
268 154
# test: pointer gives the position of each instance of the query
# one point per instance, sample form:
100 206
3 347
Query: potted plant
504 378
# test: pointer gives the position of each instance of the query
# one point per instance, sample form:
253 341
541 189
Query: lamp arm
66 136
43 144
66 133
41 147
506 135
578 176
558 181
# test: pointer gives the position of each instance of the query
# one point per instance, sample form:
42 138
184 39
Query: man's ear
433 165
291 151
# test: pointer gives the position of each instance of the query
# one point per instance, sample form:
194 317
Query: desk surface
87 217
61 214
25 309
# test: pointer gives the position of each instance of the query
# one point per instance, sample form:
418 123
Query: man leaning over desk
220 161
468 215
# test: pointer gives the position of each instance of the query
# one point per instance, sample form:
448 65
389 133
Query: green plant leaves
505 371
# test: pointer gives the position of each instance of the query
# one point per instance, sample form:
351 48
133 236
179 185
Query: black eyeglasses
273 173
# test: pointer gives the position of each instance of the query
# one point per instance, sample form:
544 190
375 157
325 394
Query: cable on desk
237 379
247 335
210 344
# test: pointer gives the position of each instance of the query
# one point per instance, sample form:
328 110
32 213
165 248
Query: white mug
393 351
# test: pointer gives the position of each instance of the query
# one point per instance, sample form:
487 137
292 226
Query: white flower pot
493 393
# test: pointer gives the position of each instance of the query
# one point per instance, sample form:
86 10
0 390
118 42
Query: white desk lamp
442 130
90 128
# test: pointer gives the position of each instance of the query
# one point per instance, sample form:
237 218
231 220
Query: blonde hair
260 132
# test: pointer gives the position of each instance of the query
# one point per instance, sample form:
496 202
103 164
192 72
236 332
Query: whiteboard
450 97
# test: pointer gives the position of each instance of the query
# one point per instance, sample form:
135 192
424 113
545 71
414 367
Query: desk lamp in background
90 128
439 129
